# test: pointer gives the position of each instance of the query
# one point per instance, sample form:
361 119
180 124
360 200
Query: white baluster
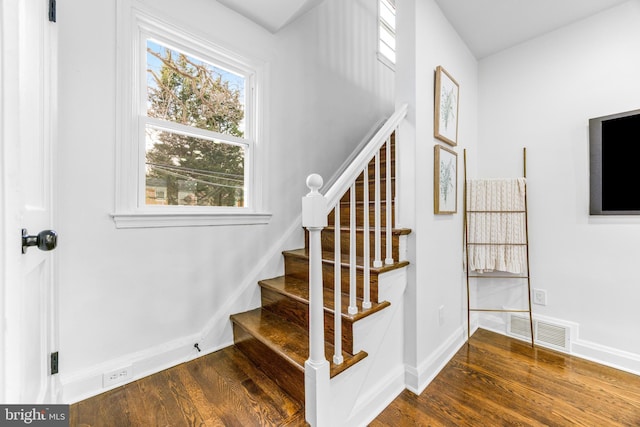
353 308
337 290
316 373
377 260
366 297
388 198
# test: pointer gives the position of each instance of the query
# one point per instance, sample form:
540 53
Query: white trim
88 382
193 131
136 23
54 393
598 353
5 133
609 356
418 378
181 218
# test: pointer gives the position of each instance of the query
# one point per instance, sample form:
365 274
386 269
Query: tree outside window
195 153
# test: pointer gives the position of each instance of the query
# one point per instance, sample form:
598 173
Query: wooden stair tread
290 341
344 260
299 290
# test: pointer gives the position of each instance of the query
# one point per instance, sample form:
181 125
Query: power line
190 178
240 178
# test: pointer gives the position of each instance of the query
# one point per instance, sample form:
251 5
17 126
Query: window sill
188 219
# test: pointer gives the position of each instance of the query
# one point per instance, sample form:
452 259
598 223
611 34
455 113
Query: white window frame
135 26
389 62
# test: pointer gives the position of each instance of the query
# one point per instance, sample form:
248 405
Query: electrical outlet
117 376
540 296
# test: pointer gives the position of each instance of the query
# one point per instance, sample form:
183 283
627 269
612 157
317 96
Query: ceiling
489 26
271 14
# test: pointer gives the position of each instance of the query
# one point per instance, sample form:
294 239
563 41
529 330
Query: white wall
541 95
145 296
426 40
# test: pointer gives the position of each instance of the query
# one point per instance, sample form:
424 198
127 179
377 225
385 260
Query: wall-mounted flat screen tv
614 150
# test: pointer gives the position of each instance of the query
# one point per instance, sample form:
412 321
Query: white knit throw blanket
497 229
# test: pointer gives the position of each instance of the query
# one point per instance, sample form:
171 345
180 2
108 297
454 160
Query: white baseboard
88 382
612 357
598 353
417 379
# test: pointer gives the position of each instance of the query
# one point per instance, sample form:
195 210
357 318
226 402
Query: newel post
316 372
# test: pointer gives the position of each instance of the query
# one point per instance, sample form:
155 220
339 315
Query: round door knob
46 240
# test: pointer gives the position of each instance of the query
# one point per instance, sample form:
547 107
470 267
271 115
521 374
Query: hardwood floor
499 381
493 381
220 389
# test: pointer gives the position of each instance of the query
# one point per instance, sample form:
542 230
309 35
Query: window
195 144
189 151
387 31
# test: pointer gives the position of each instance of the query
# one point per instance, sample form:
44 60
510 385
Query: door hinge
52 10
54 363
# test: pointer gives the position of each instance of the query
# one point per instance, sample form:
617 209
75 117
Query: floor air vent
553 335
546 334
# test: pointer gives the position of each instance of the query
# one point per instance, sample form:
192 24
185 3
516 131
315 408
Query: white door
28 128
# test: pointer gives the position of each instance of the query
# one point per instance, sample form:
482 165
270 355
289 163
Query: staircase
275 336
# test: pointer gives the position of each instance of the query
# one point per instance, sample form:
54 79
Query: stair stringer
364 390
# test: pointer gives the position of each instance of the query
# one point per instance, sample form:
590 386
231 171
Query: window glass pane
387 37
388 14
191 171
386 29
186 90
389 53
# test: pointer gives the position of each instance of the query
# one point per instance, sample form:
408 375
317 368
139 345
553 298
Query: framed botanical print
445 192
447 95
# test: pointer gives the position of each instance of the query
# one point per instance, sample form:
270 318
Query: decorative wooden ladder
277 336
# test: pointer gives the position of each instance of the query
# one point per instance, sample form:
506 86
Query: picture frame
447 97
445 192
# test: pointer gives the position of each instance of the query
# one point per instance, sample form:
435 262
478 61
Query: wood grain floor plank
181 393
505 382
492 381
511 396
141 410
223 395
147 407
470 391
612 379
257 385
242 394
164 408
198 397
405 412
449 409
589 392
113 410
